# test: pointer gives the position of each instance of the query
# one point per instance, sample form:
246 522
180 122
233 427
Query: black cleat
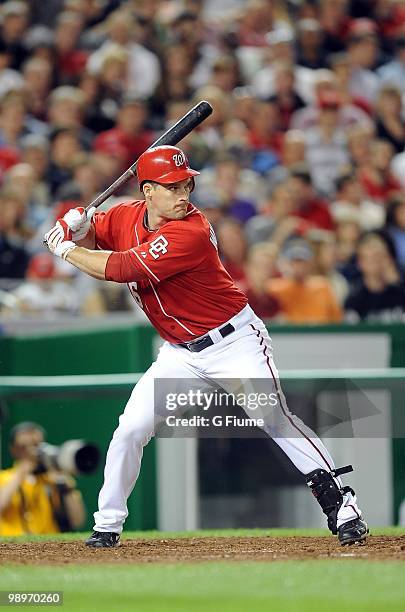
103 539
353 532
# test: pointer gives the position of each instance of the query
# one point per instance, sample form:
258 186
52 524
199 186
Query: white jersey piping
165 313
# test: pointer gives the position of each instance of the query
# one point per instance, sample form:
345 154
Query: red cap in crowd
329 99
41 266
360 28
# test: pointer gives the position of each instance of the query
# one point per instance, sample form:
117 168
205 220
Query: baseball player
165 250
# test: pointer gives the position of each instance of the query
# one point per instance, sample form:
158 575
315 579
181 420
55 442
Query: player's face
170 201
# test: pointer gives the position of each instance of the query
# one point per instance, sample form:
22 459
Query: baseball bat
172 136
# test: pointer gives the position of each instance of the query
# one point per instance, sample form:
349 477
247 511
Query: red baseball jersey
174 272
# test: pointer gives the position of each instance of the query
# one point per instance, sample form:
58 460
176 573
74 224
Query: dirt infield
201 549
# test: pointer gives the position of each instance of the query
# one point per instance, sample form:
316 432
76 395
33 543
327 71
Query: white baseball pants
244 354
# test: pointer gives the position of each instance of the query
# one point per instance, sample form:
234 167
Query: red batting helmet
164 165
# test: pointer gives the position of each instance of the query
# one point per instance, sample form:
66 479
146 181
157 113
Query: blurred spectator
22 180
65 145
46 13
324 245
66 110
398 168
174 85
396 227
43 293
14 21
35 153
113 75
302 296
390 15
38 81
143 65
13 256
389 123
348 232
335 23
357 107
359 144
310 51
362 49
129 134
232 249
350 199
264 129
70 59
235 190
281 49
256 20
309 207
243 104
326 151
225 73
211 129
292 153
379 295
276 221
15 123
325 84
86 176
285 98
260 267
40 43
375 175
100 110
393 73
10 79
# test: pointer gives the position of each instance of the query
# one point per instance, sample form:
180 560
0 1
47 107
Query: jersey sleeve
174 249
103 223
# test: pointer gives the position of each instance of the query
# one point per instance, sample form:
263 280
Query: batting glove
58 239
79 222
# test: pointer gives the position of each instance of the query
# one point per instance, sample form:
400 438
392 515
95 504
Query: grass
312 586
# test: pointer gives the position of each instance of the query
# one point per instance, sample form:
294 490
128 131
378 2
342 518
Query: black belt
195 346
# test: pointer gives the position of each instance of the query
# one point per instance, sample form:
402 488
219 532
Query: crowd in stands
302 161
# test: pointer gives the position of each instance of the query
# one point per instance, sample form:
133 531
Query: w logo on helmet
165 164
179 159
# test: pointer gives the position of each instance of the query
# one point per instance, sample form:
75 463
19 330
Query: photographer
33 498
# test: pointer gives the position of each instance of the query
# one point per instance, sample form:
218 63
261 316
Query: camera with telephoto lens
74 456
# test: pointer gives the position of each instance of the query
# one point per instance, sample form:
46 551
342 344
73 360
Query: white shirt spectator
398 167
364 84
10 80
370 215
349 116
326 159
143 70
48 297
393 73
263 83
